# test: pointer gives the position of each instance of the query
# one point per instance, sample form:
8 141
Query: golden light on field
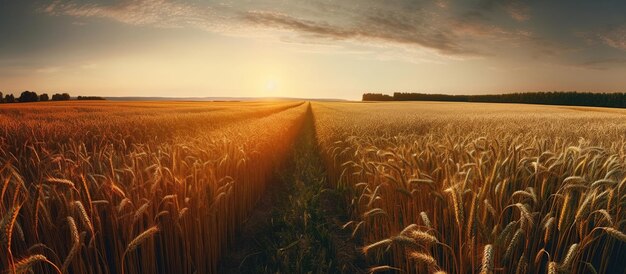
466 187
205 162
312 136
428 186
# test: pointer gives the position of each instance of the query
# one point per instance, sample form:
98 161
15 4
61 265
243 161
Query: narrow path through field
296 227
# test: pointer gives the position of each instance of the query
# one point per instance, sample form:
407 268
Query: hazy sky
311 48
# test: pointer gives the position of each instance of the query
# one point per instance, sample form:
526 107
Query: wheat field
480 188
168 187
133 187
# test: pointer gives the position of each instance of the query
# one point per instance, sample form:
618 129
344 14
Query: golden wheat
75 243
147 234
133 161
24 265
487 264
474 173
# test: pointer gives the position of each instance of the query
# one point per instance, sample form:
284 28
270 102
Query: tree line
31 96
571 98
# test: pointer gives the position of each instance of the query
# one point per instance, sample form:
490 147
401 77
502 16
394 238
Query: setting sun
271 85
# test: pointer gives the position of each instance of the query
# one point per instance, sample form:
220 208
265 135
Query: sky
311 48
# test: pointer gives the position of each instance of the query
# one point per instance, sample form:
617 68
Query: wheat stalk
75 243
24 265
137 241
423 237
12 220
458 206
84 216
425 220
423 258
548 227
615 233
517 237
564 212
142 209
385 242
487 265
59 181
148 233
382 268
522 265
569 258
552 268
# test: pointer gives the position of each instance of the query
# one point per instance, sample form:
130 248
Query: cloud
381 27
614 37
446 27
448 33
158 13
604 63
367 25
518 10
442 3
474 27
425 30
48 70
284 21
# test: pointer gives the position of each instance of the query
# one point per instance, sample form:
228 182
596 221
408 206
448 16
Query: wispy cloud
607 36
518 10
603 63
381 27
448 28
614 37
158 13
48 70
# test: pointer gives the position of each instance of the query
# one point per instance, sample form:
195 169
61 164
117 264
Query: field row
103 187
150 187
466 188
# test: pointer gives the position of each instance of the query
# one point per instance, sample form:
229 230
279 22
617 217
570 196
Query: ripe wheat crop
480 188
104 187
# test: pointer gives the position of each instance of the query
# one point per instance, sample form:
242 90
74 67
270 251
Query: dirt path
296 226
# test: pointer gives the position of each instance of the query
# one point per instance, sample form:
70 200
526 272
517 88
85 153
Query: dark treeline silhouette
31 96
90 98
376 97
28 96
570 98
9 98
60 97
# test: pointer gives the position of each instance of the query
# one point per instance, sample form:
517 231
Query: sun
271 85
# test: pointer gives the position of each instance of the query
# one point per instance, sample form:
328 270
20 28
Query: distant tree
572 98
9 98
401 96
1 98
28 96
376 97
44 97
60 97
90 98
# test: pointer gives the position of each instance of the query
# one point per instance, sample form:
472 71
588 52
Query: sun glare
271 85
